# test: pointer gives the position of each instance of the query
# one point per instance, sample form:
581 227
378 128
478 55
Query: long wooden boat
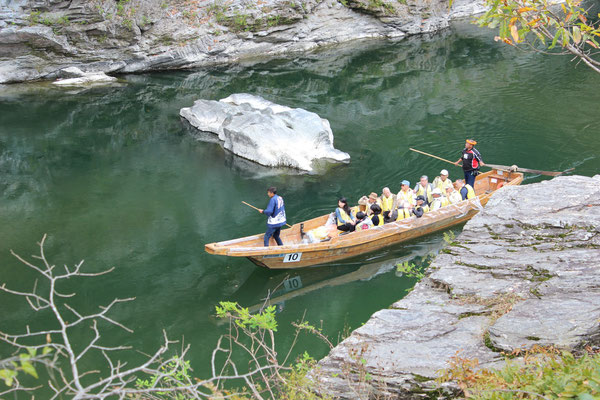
295 254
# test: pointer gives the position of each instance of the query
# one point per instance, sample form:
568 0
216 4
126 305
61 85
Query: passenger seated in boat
344 216
453 196
420 208
405 195
387 203
376 218
442 182
403 211
371 201
363 222
439 200
466 191
320 234
425 189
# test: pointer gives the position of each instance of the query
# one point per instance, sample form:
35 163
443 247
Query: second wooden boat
296 254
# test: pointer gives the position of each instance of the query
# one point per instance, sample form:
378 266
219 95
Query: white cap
436 191
444 172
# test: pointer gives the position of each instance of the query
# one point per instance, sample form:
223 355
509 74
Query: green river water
113 176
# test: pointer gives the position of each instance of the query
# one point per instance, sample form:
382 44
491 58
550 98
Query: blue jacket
276 212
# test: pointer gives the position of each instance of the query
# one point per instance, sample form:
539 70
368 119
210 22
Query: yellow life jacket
470 191
442 185
424 192
345 217
408 197
425 208
386 203
403 213
445 201
380 217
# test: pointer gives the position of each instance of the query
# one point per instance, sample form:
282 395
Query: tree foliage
543 26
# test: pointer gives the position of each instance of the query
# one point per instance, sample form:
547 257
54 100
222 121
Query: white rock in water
76 77
267 133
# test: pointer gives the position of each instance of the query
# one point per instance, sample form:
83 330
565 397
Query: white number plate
292 257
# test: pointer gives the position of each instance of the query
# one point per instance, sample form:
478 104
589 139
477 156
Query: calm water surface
114 177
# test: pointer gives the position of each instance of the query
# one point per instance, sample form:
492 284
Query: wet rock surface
267 133
524 271
40 38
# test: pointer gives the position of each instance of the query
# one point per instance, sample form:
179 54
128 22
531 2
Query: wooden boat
296 254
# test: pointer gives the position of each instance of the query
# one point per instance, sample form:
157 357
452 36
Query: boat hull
300 255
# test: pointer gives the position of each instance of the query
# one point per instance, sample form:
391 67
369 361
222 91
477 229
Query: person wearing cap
405 196
405 202
424 189
471 162
442 182
372 200
439 200
420 208
387 200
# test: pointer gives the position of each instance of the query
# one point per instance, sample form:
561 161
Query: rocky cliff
40 38
525 271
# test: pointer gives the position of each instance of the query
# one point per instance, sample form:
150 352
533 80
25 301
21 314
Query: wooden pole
502 167
257 209
431 155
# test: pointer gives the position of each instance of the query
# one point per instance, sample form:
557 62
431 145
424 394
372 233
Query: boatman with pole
276 213
471 162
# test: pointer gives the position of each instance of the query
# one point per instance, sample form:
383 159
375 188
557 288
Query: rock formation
39 38
267 133
524 271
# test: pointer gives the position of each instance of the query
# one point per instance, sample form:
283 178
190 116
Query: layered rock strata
525 271
40 38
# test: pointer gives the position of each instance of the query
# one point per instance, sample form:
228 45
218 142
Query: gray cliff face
525 271
39 38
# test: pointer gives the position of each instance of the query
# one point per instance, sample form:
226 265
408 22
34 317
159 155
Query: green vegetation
410 270
37 17
542 373
372 6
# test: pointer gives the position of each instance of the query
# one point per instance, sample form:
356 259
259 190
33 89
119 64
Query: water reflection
264 288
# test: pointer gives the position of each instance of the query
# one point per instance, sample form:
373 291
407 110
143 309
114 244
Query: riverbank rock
525 271
73 76
264 132
39 39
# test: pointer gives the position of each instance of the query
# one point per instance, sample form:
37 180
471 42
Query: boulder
76 77
264 132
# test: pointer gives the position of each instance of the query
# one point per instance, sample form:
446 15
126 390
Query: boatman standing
471 162
276 213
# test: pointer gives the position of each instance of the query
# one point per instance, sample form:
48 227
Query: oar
431 155
258 209
531 171
503 167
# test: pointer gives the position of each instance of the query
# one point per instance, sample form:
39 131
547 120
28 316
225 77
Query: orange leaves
591 44
505 40
525 9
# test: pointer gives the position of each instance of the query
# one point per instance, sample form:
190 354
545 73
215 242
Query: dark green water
113 176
